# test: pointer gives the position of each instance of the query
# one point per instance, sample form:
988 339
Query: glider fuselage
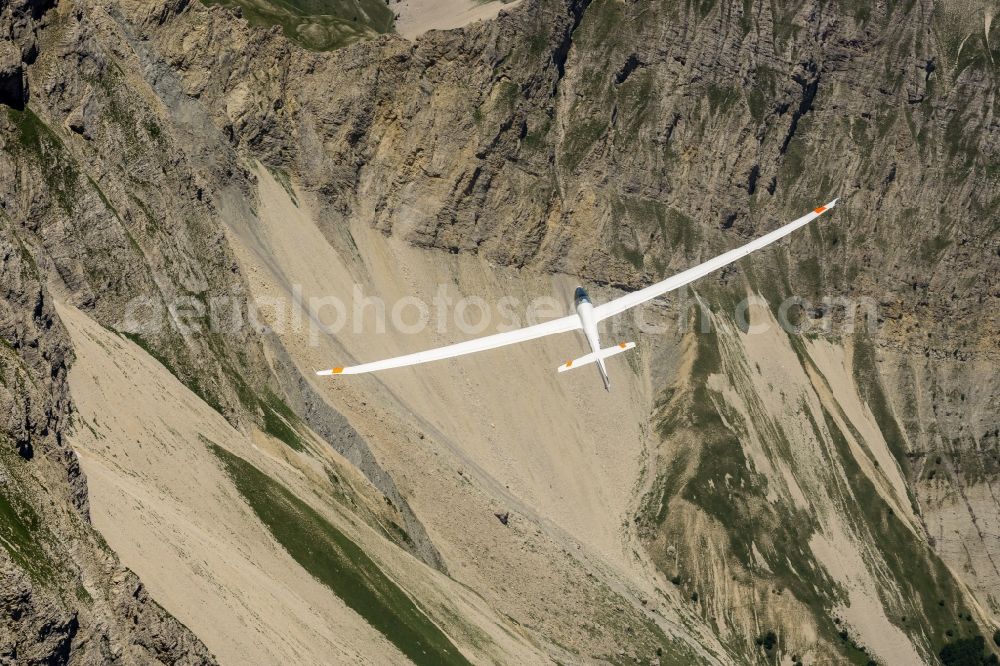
585 311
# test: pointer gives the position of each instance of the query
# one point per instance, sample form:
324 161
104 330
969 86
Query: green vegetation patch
812 274
721 98
34 139
580 139
931 249
285 180
320 25
280 422
336 561
21 535
726 487
682 231
870 388
975 54
967 652
724 484
637 103
931 603
603 20
962 142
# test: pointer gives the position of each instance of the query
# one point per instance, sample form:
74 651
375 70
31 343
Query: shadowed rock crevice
577 9
633 63
809 82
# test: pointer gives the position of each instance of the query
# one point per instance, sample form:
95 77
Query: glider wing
627 301
568 323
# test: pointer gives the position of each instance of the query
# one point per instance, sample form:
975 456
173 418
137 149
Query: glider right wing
677 281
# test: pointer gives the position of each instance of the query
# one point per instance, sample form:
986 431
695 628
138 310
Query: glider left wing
562 325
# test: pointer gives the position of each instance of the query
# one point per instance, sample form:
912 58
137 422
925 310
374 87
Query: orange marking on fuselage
337 371
820 210
622 345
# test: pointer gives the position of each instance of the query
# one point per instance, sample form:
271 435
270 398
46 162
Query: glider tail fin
604 374
597 357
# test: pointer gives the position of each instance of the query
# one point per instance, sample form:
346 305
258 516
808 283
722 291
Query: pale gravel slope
419 16
160 498
163 503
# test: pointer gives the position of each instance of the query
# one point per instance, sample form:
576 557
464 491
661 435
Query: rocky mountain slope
819 496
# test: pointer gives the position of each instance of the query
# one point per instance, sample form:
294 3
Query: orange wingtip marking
569 364
337 371
820 210
622 345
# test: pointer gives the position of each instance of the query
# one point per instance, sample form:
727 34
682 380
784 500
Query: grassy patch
580 139
280 421
340 564
870 389
961 139
277 427
726 486
931 249
507 94
601 25
398 534
929 601
83 596
812 274
884 121
35 140
755 103
632 256
784 26
20 535
721 98
975 55
320 25
682 231
637 103
966 652
538 131
285 180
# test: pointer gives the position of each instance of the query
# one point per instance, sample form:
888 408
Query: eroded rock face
36 629
64 599
615 142
19 21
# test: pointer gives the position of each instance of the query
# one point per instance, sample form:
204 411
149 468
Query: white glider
586 316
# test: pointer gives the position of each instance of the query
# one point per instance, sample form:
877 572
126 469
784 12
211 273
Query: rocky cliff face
65 598
834 488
